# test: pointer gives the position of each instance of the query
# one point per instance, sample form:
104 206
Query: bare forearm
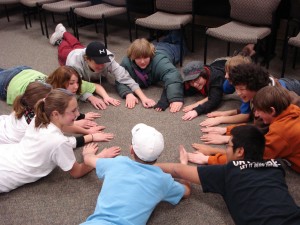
101 91
239 118
181 171
74 130
140 94
80 169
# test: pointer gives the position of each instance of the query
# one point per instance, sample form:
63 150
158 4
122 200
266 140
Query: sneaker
58 34
60 27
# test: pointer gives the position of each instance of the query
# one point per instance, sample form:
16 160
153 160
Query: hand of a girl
84 123
90 148
96 129
103 136
109 152
91 115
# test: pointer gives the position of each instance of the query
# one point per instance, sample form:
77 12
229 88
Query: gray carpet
59 199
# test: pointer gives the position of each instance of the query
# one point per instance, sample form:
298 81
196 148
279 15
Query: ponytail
34 92
57 100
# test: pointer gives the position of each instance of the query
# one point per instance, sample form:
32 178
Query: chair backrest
256 12
174 6
115 2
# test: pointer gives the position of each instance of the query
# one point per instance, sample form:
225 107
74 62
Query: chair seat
164 21
7 2
295 41
239 33
64 6
32 3
96 11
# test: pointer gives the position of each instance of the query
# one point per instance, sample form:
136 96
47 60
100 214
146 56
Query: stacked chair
252 21
8 2
170 15
31 7
62 7
100 13
292 34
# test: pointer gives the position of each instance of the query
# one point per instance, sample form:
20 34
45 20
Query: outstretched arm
180 170
90 158
147 102
106 98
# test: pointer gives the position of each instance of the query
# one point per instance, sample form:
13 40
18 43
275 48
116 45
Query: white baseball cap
147 142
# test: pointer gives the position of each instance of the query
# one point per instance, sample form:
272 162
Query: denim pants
5 77
292 84
170 46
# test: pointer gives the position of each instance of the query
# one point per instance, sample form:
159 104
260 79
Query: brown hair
34 92
57 100
140 48
236 60
61 76
272 96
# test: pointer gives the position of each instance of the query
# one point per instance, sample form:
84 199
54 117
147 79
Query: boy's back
131 190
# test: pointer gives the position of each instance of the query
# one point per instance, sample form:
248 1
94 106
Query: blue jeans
292 84
5 77
170 46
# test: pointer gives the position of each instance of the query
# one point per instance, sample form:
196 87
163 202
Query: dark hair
33 93
61 76
252 75
205 73
272 96
57 100
251 139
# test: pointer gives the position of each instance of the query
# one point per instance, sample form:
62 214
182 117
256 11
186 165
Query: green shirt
19 83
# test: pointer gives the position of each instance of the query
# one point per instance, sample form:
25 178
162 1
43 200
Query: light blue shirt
130 191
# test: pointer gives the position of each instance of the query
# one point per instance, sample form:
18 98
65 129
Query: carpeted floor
59 199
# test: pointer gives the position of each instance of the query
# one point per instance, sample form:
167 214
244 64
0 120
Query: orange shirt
282 139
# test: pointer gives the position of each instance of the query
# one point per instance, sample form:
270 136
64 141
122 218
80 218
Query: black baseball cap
97 52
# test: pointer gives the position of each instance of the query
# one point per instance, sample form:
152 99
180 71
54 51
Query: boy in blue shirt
132 188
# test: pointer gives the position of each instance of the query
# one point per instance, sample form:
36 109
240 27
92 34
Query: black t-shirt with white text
254 192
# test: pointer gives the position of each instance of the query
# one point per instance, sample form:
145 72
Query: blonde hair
236 60
140 48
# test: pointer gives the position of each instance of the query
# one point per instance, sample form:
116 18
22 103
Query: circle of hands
211 133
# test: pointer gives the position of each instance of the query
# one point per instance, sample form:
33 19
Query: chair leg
193 38
285 38
76 33
6 12
104 31
136 31
73 20
284 57
228 48
39 9
29 16
45 22
24 16
181 45
268 51
295 57
68 19
205 48
129 26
